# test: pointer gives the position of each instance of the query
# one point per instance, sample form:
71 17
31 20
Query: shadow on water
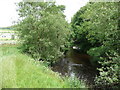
77 65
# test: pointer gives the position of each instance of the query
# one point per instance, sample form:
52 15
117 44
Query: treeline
97 33
94 29
5 28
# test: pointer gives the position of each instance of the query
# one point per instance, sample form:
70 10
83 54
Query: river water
83 69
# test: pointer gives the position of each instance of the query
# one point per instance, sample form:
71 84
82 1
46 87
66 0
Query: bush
44 31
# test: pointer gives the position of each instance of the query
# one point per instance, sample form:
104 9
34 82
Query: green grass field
6 30
20 71
3 31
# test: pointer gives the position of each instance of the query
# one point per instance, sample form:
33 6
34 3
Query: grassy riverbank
21 71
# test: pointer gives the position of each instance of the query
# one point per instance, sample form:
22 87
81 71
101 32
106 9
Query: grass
20 71
6 30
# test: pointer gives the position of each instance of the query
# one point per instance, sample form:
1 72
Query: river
77 65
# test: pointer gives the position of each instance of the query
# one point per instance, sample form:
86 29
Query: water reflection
76 65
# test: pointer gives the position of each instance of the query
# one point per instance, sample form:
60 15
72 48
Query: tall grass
21 71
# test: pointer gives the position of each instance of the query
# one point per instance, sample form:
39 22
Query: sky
8 8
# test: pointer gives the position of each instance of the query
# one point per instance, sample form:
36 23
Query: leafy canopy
96 32
43 29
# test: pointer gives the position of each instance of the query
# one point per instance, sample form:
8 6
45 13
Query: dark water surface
75 64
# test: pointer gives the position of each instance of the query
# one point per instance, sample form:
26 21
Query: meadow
8 34
6 30
18 70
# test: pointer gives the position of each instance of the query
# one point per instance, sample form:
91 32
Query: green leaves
96 32
43 30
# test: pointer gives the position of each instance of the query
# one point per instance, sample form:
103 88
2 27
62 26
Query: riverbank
21 71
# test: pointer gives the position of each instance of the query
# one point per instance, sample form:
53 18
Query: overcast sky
8 8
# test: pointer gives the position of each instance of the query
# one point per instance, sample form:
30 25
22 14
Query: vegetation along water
21 71
85 52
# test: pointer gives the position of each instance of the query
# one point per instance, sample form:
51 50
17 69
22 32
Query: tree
95 26
43 30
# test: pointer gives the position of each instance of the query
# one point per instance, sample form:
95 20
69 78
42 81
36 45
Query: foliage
20 71
96 32
79 34
109 72
43 29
